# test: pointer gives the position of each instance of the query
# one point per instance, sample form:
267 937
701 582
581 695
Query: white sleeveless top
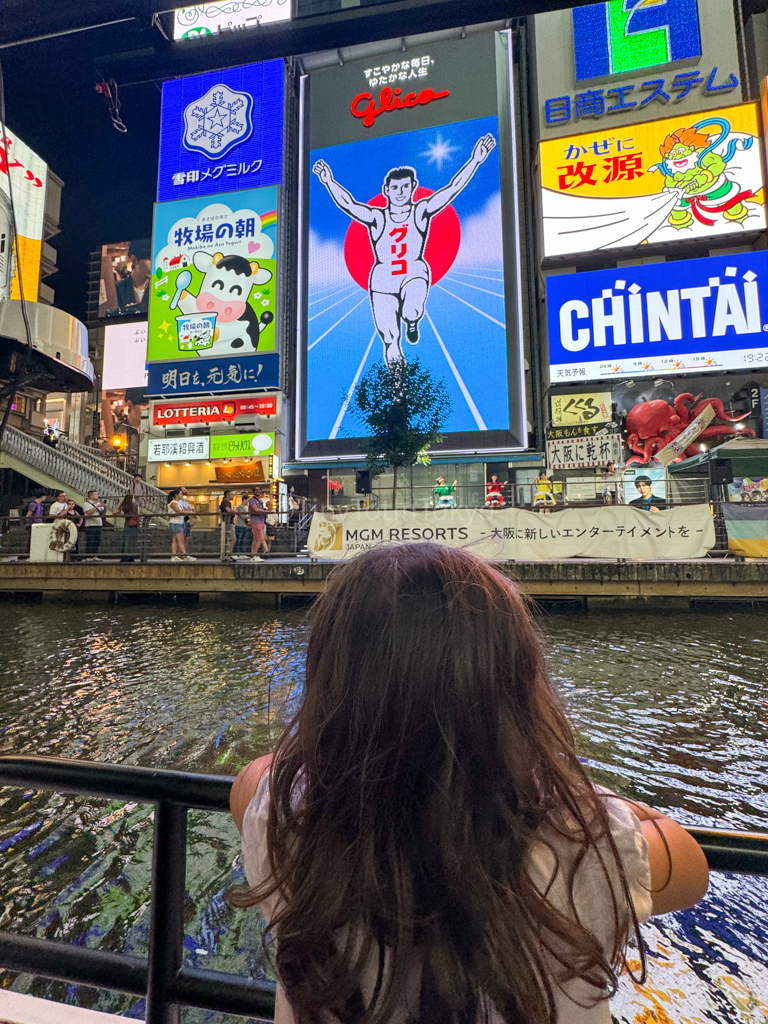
591 896
399 255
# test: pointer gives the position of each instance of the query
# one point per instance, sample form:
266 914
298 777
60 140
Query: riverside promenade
663 584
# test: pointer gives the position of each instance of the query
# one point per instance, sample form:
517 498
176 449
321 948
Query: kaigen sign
235 15
213 290
410 251
167 414
664 181
660 318
585 451
616 37
221 131
214 376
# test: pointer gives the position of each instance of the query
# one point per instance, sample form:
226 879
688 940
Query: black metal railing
163 978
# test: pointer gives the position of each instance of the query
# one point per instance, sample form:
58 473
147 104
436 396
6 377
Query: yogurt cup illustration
196 331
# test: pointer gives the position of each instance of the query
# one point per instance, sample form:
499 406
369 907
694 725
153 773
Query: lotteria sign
166 414
664 318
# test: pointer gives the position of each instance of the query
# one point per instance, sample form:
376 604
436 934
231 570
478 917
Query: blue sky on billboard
690 316
462 336
221 131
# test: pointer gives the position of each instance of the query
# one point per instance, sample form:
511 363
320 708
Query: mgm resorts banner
408 249
613 531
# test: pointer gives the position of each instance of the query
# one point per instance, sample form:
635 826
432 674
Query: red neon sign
169 414
389 100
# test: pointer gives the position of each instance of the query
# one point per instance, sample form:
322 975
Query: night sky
109 177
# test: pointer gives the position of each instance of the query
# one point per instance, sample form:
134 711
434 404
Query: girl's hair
128 503
172 494
428 755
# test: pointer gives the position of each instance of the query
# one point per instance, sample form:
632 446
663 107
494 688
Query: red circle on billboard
441 250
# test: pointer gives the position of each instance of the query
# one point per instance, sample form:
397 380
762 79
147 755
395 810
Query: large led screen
29 183
409 249
686 316
685 177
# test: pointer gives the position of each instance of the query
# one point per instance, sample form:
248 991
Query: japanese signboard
30 178
214 376
213 289
182 449
665 181
409 248
123 377
576 408
236 15
614 531
248 445
249 473
584 452
621 61
166 414
221 131
661 318
676 448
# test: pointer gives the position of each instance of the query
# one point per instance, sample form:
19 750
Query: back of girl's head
428 752
174 493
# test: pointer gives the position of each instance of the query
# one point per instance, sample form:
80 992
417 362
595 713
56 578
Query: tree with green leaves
403 408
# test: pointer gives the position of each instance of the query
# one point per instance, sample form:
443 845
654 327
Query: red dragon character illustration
652 425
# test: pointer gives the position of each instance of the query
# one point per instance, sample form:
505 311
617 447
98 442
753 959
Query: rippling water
669 709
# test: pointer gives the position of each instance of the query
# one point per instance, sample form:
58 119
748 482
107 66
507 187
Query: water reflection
672 710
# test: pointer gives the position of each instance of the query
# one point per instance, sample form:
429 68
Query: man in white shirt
93 510
58 509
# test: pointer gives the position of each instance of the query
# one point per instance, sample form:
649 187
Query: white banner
584 452
611 531
162 449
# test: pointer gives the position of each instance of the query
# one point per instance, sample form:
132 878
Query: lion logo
330 537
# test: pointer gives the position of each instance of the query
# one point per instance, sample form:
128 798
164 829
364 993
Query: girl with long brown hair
424 843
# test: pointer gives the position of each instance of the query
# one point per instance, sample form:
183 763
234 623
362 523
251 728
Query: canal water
670 709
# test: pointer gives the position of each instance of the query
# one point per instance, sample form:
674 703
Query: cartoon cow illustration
224 290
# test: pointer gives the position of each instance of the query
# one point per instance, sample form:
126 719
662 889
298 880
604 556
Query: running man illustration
399 281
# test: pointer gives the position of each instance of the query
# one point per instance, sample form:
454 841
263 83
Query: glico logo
626 35
364 106
706 311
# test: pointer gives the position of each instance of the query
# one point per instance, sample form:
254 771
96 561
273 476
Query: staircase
72 468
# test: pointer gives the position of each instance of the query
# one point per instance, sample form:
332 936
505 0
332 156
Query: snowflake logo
218 121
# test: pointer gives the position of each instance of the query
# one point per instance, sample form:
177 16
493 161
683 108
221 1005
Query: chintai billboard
654 319
409 239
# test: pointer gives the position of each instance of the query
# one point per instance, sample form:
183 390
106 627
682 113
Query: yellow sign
581 408
30 178
690 176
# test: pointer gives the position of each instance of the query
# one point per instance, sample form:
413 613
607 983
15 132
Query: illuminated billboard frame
443 110
686 177
651 320
213 18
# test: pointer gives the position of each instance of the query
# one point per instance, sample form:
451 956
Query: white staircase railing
77 468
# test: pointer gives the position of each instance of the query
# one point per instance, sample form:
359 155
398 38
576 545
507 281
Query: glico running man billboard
687 316
408 249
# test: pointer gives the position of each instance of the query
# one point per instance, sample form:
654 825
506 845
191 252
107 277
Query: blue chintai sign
213 376
690 316
221 132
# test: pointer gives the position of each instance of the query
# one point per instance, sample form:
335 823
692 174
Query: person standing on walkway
258 514
241 527
176 524
186 504
58 509
36 508
75 516
93 512
228 523
139 489
131 511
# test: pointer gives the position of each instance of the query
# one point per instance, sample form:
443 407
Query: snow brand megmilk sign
661 318
221 132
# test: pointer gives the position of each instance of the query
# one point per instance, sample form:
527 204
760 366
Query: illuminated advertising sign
30 178
660 318
213 294
616 37
124 280
212 18
664 181
409 249
183 449
594 62
236 445
575 409
167 414
125 356
221 131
